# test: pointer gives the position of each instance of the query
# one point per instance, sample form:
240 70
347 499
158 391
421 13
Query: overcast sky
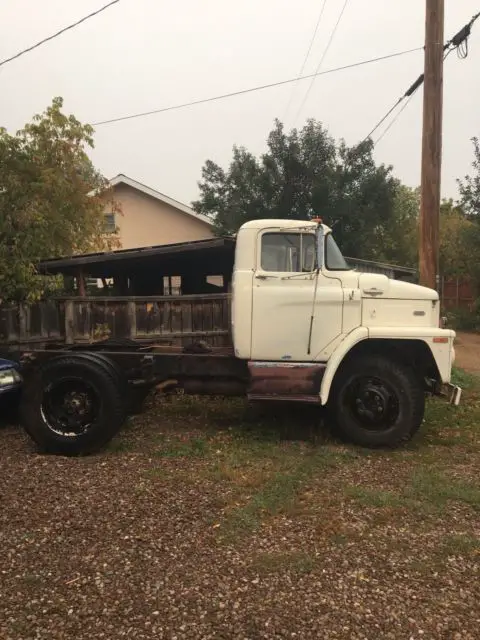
146 54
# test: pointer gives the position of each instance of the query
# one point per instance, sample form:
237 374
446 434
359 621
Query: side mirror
320 245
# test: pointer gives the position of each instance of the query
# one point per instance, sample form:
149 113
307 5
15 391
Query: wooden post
23 321
132 318
431 144
69 322
82 290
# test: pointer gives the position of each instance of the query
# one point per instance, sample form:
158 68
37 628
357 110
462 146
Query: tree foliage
51 199
305 174
470 186
399 242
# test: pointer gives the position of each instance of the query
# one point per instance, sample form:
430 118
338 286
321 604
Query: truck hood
375 285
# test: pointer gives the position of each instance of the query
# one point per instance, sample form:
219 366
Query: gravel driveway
202 522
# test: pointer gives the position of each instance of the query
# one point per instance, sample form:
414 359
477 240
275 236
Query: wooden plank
132 319
23 319
69 322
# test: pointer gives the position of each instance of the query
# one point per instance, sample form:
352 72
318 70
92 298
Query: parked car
10 386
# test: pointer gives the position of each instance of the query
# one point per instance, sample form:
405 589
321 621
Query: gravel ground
201 521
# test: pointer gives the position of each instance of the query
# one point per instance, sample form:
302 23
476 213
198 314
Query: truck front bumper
452 392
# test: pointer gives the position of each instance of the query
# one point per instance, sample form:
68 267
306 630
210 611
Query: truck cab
318 330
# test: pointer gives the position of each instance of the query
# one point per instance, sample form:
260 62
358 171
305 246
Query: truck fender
351 339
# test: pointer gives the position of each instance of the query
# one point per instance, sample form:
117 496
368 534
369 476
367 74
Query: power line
302 68
399 113
59 33
459 42
252 89
392 122
325 51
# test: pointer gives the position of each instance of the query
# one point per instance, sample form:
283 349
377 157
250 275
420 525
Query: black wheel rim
373 403
70 407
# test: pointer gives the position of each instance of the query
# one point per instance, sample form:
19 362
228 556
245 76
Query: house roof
134 184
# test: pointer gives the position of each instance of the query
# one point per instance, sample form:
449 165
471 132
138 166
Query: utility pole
431 145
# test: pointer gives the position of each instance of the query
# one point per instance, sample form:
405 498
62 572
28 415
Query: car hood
7 364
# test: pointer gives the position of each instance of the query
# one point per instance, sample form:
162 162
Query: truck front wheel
376 402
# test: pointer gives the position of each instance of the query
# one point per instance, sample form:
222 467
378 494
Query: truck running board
285 381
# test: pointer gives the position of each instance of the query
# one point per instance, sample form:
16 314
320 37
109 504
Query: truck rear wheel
377 402
72 405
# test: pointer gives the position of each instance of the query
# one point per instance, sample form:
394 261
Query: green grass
276 494
283 476
461 545
428 489
438 489
377 498
464 379
196 447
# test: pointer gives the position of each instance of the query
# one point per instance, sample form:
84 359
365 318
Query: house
149 218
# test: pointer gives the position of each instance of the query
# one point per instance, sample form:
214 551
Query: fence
167 319
457 293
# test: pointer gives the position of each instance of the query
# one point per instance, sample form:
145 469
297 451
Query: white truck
305 327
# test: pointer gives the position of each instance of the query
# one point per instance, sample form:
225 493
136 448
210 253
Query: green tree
459 243
304 174
470 186
51 199
398 243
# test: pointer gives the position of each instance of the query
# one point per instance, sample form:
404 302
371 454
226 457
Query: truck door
282 299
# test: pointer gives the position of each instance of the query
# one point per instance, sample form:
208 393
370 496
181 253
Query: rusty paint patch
292 379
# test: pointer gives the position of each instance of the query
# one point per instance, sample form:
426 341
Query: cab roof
283 224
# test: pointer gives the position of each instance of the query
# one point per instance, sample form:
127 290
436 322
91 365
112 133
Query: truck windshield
334 260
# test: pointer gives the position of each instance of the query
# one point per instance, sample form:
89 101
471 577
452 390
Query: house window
288 252
109 225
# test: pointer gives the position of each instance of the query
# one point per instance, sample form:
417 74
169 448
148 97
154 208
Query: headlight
9 377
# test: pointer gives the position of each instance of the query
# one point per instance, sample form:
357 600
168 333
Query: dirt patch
467 349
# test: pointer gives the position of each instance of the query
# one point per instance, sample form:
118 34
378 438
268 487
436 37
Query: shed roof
213 255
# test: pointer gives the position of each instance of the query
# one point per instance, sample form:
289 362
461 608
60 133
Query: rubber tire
411 399
133 397
112 410
114 370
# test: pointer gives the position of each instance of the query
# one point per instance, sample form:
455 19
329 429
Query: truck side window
288 252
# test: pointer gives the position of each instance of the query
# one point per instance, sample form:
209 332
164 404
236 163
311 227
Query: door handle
261 276
373 291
